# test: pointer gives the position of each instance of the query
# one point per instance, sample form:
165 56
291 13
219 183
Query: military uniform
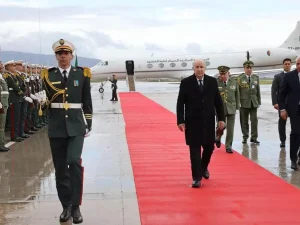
4 101
250 100
15 96
69 105
229 92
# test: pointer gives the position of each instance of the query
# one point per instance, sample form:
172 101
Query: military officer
15 96
250 100
229 92
21 76
3 110
69 104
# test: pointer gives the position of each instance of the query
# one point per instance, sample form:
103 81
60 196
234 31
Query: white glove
1 78
33 97
28 99
87 133
1 106
27 80
31 78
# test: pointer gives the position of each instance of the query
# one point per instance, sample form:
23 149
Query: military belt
11 89
4 92
66 105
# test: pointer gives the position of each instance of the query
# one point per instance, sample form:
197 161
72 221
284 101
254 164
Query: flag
76 62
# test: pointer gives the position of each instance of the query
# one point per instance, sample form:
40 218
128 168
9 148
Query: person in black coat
114 88
287 64
198 103
289 105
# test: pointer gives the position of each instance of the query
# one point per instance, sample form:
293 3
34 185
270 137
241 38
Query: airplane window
161 65
149 65
172 64
184 64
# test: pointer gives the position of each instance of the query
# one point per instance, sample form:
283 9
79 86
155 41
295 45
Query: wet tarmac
27 182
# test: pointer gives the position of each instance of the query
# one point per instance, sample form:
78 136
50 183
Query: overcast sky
118 28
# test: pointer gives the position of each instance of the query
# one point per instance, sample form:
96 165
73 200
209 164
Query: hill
42 59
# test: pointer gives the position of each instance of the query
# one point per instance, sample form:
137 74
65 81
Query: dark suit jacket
114 84
278 78
198 110
289 93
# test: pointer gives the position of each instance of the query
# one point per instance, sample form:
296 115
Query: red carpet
239 192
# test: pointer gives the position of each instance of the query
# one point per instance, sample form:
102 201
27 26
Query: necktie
249 80
65 76
200 86
225 83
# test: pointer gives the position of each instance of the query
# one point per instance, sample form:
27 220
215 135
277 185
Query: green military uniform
4 101
15 96
250 100
229 92
70 111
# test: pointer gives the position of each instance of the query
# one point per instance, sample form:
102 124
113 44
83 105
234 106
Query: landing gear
101 89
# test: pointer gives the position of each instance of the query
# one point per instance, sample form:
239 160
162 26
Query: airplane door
129 67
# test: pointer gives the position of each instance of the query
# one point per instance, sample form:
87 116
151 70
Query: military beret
223 69
62 45
248 63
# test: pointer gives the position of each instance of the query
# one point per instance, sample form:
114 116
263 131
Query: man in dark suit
114 88
198 103
287 64
289 105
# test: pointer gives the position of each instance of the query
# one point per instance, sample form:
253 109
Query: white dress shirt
68 71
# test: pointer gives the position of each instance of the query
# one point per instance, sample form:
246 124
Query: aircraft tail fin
293 40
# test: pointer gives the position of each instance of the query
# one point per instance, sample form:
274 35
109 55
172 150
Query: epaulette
52 68
87 72
44 73
5 75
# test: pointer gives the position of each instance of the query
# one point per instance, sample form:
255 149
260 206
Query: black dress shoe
294 166
17 139
282 145
25 136
218 143
206 174
66 214
29 132
196 184
254 141
229 150
3 149
77 217
244 141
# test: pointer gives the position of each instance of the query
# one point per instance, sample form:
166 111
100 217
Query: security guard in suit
250 100
70 109
15 96
114 88
3 110
229 92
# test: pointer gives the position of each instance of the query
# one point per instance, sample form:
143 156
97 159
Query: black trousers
282 129
198 164
23 115
66 155
14 120
295 136
114 95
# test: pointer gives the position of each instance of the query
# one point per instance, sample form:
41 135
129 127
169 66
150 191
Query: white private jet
265 59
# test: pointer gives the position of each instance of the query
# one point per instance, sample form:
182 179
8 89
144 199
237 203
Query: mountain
42 59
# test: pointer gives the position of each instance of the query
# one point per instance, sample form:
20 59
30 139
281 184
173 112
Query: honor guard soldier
114 88
229 92
21 76
250 100
69 105
15 96
3 109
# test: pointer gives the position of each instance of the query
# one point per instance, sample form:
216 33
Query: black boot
66 214
77 217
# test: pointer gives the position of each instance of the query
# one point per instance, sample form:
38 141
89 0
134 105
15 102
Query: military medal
76 83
